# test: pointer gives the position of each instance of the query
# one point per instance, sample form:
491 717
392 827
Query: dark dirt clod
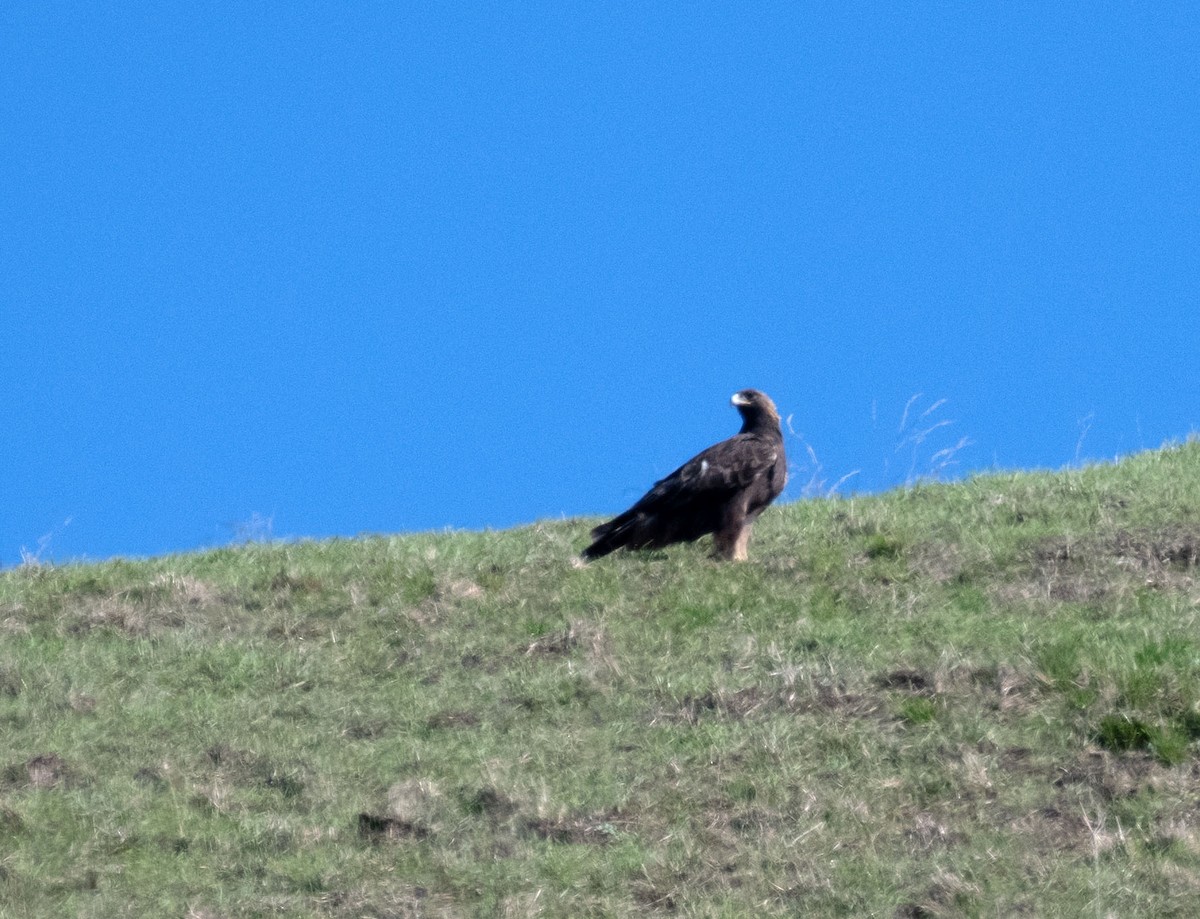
453 719
649 897
10 682
490 802
738 704
378 827
150 777
908 680
10 821
365 730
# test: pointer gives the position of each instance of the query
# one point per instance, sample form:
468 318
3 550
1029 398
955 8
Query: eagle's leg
740 544
732 536
730 543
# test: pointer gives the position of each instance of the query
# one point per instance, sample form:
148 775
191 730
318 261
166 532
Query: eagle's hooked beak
739 400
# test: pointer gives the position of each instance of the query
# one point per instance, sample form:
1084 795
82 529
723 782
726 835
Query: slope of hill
967 699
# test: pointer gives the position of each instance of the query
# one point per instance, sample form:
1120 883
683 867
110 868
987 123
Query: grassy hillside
976 699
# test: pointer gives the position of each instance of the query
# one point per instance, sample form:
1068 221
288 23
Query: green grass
976 699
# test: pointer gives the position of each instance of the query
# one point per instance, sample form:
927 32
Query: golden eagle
720 491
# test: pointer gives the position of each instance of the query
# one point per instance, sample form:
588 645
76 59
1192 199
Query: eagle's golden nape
720 491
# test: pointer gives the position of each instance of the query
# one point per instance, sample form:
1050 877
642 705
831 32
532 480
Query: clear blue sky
325 269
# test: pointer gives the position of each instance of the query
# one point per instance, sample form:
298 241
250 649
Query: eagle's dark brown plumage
720 491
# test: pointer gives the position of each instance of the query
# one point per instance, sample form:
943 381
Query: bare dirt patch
188 590
755 701
1111 776
1057 827
287 584
1020 761
1072 819
167 602
940 562
928 832
115 612
1096 567
1175 547
46 770
457 589
245 768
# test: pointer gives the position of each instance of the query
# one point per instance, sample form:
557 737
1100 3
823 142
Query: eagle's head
756 409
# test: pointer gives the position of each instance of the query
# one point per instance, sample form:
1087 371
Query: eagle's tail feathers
627 530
